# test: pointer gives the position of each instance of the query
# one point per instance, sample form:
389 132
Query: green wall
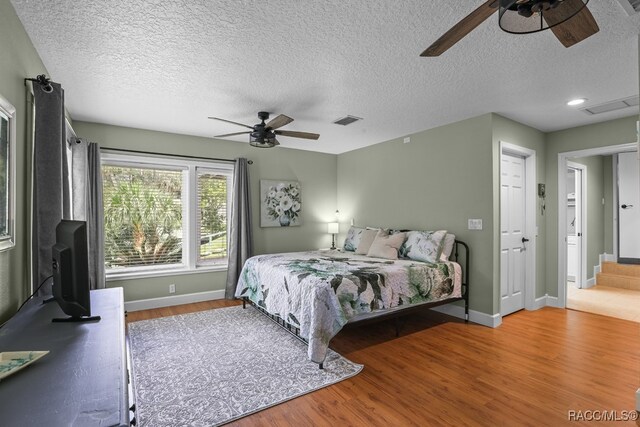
437 181
613 132
19 60
316 173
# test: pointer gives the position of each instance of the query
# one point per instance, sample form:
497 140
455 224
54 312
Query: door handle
626 206
525 240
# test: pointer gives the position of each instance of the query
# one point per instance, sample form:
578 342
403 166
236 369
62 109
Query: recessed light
577 101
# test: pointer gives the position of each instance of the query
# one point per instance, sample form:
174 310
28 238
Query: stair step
630 270
618 281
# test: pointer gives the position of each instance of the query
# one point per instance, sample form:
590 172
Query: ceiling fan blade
279 121
232 134
233 123
462 28
295 134
575 29
275 142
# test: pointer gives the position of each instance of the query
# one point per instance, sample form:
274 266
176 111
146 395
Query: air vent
630 6
611 106
347 120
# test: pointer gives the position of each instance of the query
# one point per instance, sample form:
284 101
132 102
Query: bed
315 294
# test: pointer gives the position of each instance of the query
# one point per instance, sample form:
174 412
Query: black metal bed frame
295 331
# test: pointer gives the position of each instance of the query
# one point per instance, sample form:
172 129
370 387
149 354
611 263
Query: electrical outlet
172 288
407 139
474 224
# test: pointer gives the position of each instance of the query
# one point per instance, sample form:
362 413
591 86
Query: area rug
212 367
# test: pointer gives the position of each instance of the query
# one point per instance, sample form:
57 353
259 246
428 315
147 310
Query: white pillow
447 247
366 239
353 238
386 245
424 245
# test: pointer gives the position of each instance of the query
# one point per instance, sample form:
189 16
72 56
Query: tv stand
83 381
76 319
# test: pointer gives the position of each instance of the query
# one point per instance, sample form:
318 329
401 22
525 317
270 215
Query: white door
628 208
574 224
512 233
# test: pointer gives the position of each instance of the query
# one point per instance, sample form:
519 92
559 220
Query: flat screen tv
71 286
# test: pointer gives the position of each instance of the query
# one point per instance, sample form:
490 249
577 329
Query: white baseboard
146 304
492 321
638 400
590 283
552 301
540 302
546 301
607 257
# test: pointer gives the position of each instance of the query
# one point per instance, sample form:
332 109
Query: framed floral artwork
280 203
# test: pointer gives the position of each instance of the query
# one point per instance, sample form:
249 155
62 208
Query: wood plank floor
532 370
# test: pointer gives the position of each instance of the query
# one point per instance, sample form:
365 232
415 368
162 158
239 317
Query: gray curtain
86 203
241 235
48 154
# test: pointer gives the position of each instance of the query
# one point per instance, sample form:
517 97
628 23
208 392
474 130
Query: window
164 215
7 174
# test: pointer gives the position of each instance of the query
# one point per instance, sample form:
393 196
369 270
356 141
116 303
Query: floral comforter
319 292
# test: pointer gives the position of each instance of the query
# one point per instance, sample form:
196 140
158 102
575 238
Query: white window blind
164 214
212 216
143 216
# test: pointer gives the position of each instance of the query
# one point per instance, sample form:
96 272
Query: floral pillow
353 238
423 245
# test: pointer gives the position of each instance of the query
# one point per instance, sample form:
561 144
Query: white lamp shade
334 228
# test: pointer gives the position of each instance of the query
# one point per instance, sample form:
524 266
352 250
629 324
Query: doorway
517 228
576 219
628 186
601 289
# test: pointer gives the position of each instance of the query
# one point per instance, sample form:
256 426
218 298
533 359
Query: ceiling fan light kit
570 20
263 135
531 16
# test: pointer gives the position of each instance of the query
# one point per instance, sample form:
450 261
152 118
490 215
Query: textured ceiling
167 65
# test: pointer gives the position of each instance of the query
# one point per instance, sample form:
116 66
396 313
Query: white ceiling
167 65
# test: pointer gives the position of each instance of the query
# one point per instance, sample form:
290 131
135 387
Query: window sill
112 277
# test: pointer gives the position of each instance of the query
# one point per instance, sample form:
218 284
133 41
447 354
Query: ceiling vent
630 6
612 106
347 120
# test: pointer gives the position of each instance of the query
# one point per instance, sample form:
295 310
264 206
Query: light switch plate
475 224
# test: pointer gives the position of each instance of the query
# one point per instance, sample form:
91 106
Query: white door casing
628 207
562 211
512 230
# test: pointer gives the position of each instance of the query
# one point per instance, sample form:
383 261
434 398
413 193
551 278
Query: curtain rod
174 155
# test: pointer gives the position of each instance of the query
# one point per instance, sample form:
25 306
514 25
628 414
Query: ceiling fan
570 21
263 135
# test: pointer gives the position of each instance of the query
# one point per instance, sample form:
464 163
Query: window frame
8 240
190 233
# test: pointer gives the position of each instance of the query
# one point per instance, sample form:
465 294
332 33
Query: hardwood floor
532 370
